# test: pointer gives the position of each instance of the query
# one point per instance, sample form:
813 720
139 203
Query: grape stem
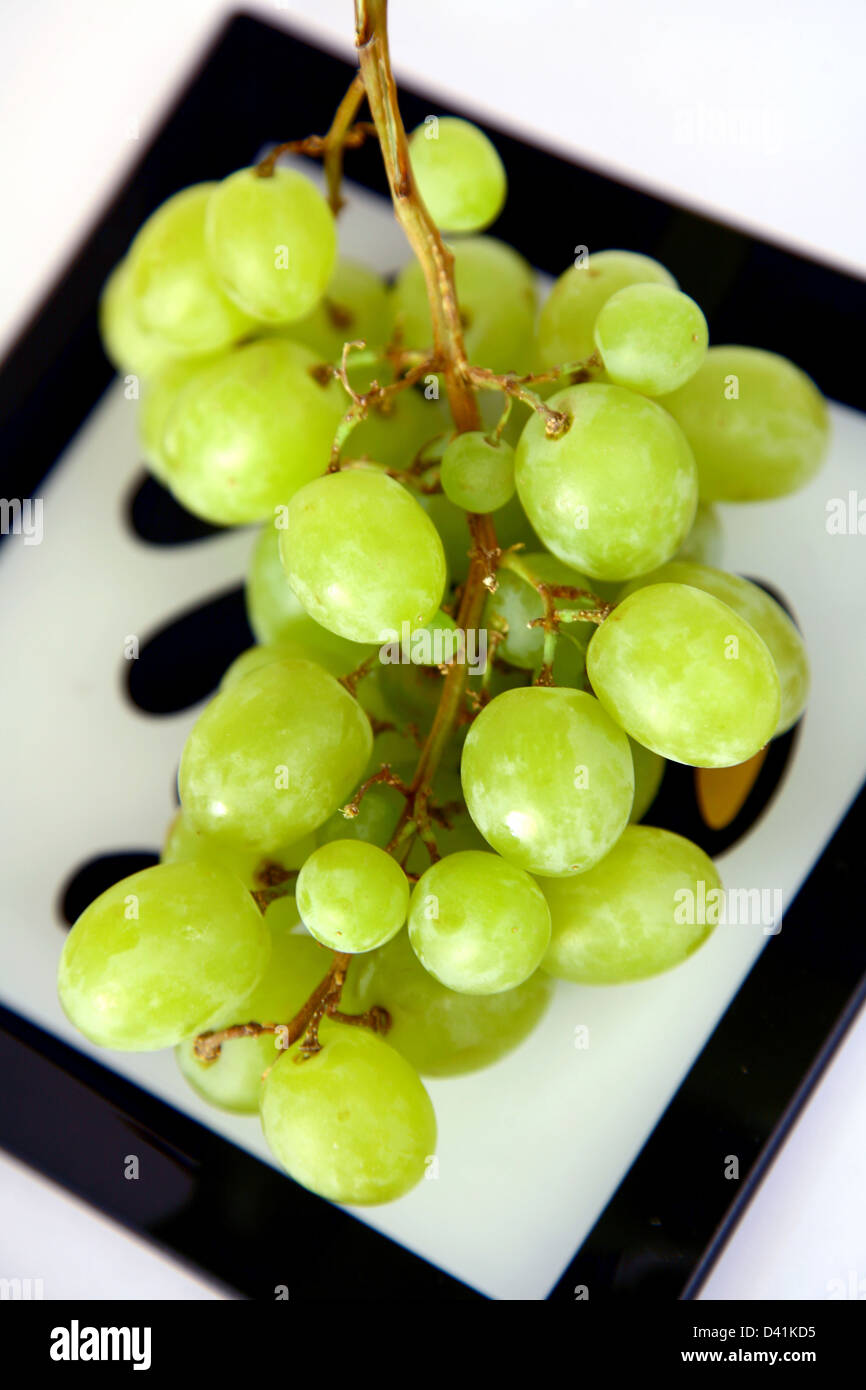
343 135
375 397
322 1003
556 422
437 264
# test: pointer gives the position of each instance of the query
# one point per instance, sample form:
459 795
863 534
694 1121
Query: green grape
355 308
396 431
704 542
160 392
174 289
272 242
478 924
156 957
567 323
441 1032
496 291
616 494
649 769
651 338
686 676
761 612
514 528
362 556
548 778
297 965
628 917
517 603
352 1122
271 759
276 616
185 842
352 896
249 430
758 425
459 174
128 346
477 474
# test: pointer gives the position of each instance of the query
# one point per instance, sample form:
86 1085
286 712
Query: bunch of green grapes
391 845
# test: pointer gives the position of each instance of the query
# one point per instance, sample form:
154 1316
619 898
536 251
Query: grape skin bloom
352 896
175 292
459 174
248 431
763 613
651 338
362 556
156 957
628 917
615 495
353 1122
758 426
686 676
548 779
273 757
478 924
272 242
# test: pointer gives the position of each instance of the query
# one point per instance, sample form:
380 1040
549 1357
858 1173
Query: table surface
745 113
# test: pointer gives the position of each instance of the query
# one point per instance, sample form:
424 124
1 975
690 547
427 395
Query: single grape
352 896
704 542
412 692
174 289
459 174
758 426
567 323
277 616
479 924
438 1030
651 338
616 494
760 611
634 914
352 1122
478 474
548 778
686 676
156 957
158 396
362 556
271 759
128 346
355 307
649 769
272 242
516 603
249 430
496 292
297 965
256 869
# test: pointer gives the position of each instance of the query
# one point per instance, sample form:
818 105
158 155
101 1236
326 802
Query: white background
754 109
